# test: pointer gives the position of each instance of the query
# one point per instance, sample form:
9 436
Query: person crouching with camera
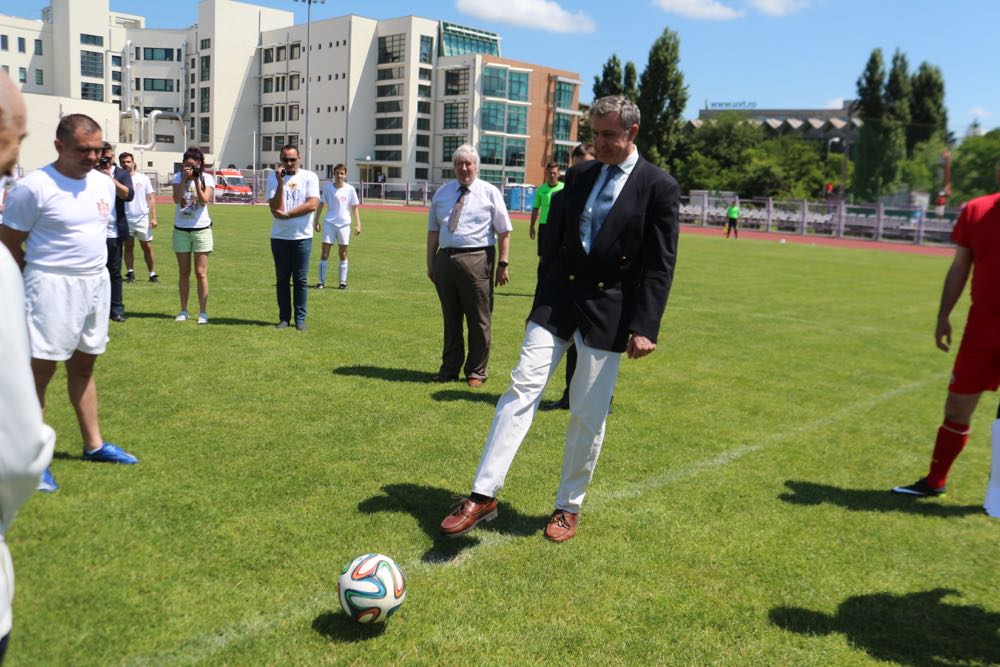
192 241
117 226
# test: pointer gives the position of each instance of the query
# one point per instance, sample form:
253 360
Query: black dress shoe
441 377
118 317
561 404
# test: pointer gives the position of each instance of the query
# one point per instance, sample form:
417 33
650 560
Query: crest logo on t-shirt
104 209
292 185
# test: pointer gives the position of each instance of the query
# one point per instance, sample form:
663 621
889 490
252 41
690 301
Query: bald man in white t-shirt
55 224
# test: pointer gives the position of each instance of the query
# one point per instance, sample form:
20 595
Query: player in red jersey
977 366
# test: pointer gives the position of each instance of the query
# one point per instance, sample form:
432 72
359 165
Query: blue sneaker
47 483
109 453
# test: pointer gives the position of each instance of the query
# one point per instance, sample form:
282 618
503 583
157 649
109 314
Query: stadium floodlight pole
308 139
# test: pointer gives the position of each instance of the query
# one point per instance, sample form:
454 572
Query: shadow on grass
340 627
429 505
518 295
912 629
391 374
868 500
460 395
213 320
147 316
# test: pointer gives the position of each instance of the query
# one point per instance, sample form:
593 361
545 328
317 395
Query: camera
104 162
195 172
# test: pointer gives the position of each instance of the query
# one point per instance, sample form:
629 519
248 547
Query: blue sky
776 53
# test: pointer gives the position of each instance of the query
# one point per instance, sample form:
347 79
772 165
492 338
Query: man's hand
639 346
531 231
503 277
153 223
942 334
357 230
430 274
318 227
280 214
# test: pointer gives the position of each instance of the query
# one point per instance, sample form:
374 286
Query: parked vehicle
231 186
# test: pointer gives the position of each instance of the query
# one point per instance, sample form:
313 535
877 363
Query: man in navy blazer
603 286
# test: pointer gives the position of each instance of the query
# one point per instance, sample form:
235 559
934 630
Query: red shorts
977 366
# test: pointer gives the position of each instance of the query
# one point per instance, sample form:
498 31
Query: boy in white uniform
293 195
341 200
141 216
60 214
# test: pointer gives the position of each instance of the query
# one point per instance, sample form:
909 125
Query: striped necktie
456 210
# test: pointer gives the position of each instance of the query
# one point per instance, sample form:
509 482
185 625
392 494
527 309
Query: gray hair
626 109
465 152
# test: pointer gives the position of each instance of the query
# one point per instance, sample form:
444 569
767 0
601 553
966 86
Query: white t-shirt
339 203
66 219
297 189
191 213
25 440
138 208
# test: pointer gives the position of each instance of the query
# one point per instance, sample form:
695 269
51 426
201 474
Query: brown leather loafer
475 383
466 515
562 526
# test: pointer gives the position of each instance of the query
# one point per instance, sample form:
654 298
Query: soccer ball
371 588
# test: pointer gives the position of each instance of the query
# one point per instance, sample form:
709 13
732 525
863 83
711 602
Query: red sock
951 438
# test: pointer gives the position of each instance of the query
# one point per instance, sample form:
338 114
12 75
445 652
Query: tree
897 119
928 116
922 171
662 98
629 82
974 171
867 183
610 81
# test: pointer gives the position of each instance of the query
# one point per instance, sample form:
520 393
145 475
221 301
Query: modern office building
385 97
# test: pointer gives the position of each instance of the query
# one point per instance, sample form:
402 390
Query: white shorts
66 312
140 229
341 235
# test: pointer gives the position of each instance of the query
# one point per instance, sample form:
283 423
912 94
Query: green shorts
193 240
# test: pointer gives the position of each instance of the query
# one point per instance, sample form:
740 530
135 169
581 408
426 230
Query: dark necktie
603 202
456 210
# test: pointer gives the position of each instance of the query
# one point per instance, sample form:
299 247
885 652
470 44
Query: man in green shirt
543 197
732 218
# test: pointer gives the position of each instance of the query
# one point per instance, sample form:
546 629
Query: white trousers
590 394
992 502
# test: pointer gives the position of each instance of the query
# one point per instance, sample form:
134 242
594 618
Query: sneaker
181 316
342 286
130 277
320 285
301 326
281 325
202 318
153 278
109 453
47 483
920 488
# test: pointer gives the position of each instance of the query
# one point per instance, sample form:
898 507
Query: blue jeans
291 262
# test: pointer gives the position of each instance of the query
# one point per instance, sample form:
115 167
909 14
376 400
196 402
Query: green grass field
739 514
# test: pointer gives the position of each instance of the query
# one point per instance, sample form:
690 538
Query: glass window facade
391 49
389 123
448 146
424 124
205 68
424 140
204 99
456 82
514 152
91 40
392 139
424 91
388 107
389 156
425 74
560 155
203 130
518 86
517 119
91 64
387 73
423 157
426 49
492 176
390 90
38 47
562 126
423 107
92 91
494 82
564 95
157 54
158 85
457 40
491 150
493 117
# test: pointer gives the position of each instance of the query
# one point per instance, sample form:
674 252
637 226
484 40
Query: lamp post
308 139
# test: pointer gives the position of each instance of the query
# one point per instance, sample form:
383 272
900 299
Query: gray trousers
464 284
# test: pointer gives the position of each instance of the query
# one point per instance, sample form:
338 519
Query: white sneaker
181 316
202 318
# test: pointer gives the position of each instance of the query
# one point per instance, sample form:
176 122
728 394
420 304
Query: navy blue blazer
621 286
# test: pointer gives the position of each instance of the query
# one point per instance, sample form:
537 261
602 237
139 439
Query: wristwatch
502 264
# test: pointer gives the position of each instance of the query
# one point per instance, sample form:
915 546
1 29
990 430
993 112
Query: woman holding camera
193 190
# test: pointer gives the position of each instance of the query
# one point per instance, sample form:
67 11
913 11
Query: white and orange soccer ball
371 588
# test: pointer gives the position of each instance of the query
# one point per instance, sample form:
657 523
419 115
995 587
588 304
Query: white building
391 97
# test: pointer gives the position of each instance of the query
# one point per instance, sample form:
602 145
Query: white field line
202 647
